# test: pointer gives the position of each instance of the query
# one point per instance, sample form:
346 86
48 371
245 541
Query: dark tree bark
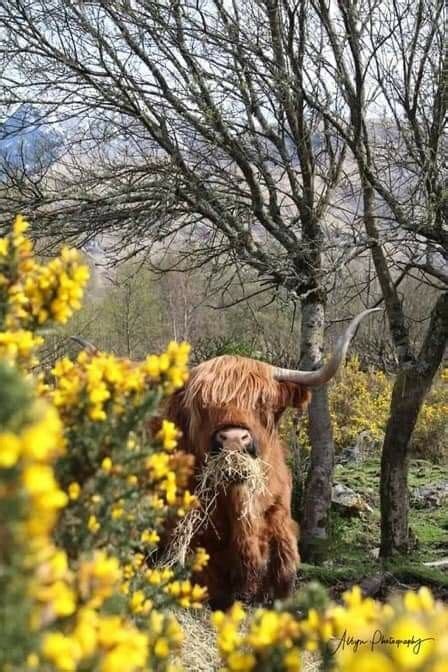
411 386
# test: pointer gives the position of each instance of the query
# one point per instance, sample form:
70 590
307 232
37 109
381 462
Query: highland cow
231 406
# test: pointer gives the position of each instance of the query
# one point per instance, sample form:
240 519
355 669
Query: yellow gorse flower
98 388
106 385
200 560
139 603
275 639
98 577
168 435
92 524
74 491
106 465
37 293
63 651
19 345
149 537
186 593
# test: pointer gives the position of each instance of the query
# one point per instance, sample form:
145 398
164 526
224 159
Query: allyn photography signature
378 638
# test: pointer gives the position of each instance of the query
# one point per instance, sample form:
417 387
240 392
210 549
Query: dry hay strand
199 652
219 473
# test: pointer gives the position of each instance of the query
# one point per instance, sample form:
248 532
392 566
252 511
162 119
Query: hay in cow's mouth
227 469
233 466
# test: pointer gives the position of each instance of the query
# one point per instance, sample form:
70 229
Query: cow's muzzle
234 438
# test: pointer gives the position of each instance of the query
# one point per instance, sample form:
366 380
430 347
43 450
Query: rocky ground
356 532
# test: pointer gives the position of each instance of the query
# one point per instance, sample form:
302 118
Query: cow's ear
172 409
175 411
154 424
292 395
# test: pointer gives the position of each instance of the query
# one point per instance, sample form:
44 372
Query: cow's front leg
251 555
216 576
284 555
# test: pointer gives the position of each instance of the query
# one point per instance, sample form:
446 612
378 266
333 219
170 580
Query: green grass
431 533
353 539
329 575
411 572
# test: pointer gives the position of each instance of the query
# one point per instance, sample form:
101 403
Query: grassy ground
355 540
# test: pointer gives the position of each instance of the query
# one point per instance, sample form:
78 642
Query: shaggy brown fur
252 559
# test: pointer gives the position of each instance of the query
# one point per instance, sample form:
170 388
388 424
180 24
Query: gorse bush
86 490
359 635
430 437
32 294
81 447
360 400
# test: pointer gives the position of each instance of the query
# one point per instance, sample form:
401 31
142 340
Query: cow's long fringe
219 473
230 380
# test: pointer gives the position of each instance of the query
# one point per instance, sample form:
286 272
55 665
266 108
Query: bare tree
391 59
208 98
233 125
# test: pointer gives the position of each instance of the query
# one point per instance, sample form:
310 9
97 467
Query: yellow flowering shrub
33 574
85 489
430 437
34 294
409 633
121 483
360 400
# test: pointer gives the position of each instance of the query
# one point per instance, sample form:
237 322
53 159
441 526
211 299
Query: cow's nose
234 438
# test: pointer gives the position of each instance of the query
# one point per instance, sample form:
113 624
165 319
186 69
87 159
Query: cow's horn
85 344
326 372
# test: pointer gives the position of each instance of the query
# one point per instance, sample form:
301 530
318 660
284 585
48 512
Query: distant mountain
29 141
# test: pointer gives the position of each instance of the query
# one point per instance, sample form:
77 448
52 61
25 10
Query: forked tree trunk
314 531
411 386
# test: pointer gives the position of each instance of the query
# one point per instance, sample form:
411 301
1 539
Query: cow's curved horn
85 344
326 372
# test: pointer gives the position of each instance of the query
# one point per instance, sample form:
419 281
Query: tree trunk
411 386
317 498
